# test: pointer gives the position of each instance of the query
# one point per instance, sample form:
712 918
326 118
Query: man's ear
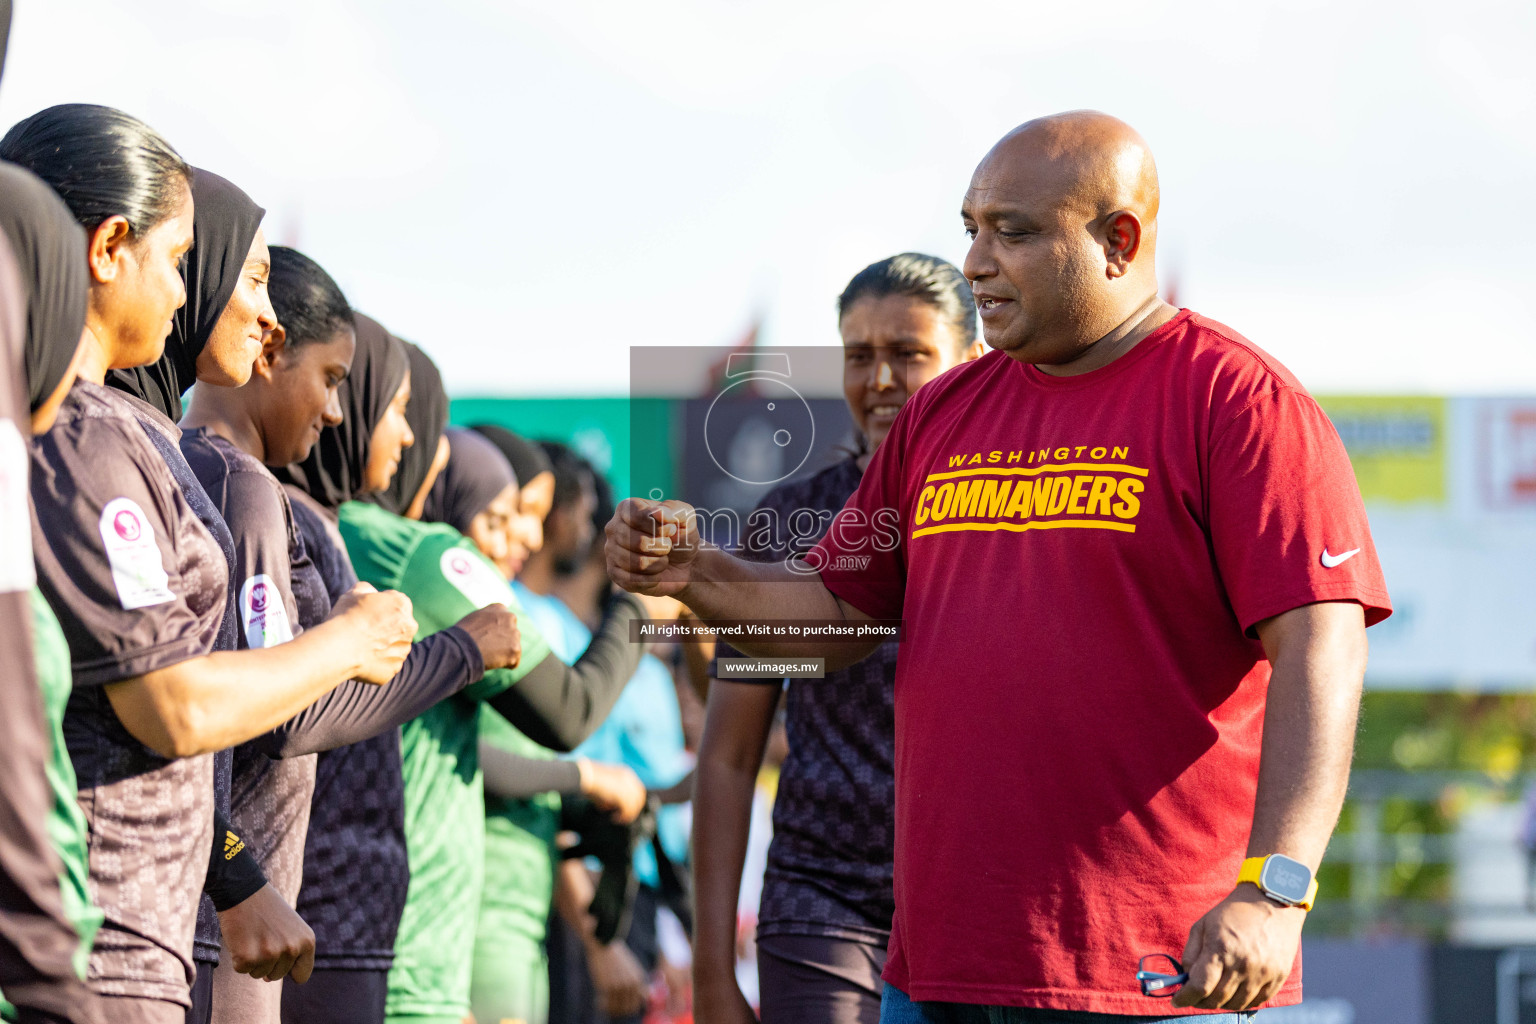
1122 240
108 245
274 345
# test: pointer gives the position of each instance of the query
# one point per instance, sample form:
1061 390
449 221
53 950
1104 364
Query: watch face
1285 879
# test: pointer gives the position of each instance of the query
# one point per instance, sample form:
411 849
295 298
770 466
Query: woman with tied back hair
48 920
827 902
230 432
140 583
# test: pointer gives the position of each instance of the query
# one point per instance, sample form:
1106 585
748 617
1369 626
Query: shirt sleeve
862 557
438 666
261 525
105 538
558 705
1287 524
448 578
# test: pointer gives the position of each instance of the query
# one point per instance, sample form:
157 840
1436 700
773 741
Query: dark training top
269 799
834 819
355 866
281 592
137 583
233 873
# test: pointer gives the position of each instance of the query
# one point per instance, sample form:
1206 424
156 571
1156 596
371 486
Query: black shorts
202 995
818 979
336 997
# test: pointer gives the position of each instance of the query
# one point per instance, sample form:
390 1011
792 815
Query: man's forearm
1319 654
726 589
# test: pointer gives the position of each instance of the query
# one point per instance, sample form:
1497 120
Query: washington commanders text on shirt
1090 487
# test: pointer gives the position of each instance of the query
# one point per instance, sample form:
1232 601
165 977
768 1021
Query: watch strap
1253 870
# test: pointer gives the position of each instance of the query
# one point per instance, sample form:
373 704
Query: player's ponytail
927 278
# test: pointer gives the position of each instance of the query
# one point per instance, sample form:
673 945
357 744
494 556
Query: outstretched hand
651 546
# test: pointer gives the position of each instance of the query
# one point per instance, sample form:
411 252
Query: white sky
529 189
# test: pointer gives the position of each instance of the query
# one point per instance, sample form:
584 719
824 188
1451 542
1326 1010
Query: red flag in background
719 370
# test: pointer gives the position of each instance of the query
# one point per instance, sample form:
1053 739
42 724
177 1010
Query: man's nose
979 263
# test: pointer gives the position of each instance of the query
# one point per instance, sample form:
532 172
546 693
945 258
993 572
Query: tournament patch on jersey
137 569
474 578
263 615
16 566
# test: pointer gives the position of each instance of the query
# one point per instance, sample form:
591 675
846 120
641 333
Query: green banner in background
622 437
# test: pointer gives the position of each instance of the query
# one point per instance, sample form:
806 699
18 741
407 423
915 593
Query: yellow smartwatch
1283 879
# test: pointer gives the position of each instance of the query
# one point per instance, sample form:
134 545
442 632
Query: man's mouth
887 411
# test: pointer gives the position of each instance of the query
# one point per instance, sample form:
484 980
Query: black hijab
224 223
50 251
334 470
476 473
528 459
427 414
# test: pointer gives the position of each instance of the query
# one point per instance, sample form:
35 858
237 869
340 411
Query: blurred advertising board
1397 445
1450 484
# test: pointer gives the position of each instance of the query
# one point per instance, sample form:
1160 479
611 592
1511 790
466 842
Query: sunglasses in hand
1160 975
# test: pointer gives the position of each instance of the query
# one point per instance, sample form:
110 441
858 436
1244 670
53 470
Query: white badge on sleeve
473 577
262 613
16 566
137 569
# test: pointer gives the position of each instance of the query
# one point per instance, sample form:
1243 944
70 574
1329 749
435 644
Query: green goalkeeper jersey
66 822
446 578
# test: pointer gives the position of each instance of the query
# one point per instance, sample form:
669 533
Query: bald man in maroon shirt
1135 574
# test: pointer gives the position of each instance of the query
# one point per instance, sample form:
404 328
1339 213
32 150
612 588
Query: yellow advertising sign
1396 444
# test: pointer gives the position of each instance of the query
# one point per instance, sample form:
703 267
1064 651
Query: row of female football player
265 624
275 638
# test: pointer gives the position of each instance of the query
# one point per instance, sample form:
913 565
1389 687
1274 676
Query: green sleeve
445 576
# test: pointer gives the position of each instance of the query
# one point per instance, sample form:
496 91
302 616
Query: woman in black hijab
50 252
535 496
46 917
216 335
360 455
476 494
420 464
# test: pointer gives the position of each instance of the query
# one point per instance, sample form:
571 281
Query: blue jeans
896 1008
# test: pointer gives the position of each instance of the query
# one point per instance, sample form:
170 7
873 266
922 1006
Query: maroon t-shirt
137 583
1080 562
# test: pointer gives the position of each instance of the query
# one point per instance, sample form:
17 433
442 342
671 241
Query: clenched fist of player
267 939
494 630
385 626
651 546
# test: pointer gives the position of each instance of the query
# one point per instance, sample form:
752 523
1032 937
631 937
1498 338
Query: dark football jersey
138 583
830 861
